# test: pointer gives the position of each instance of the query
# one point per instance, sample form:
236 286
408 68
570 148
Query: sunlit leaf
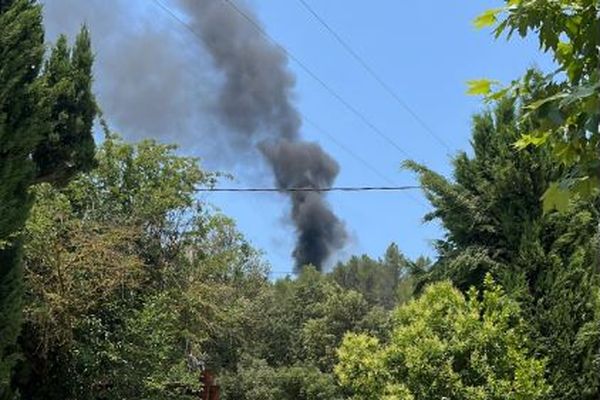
480 87
556 198
579 93
497 95
488 18
535 139
539 103
587 186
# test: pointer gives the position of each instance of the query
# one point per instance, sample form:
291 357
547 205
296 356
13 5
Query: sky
425 51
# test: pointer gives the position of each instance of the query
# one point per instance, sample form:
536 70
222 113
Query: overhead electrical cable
371 71
320 81
173 15
361 159
312 189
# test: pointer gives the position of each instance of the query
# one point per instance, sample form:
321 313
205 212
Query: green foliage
555 198
493 202
381 282
255 379
480 87
444 345
495 224
33 115
570 31
67 82
488 18
308 318
129 278
21 52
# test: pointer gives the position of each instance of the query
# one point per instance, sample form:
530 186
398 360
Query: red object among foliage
210 390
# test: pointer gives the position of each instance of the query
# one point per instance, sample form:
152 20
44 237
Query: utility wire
321 82
309 189
347 149
359 158
375 75
173 15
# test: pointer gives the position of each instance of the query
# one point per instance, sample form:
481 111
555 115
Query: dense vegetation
118 282
46 114
130 279
444 345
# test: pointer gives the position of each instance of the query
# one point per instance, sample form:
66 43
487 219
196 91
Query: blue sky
425 50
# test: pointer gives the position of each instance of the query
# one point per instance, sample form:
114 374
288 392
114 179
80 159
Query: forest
117 281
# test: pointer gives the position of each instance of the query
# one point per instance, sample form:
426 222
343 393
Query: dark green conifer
45 135
494 223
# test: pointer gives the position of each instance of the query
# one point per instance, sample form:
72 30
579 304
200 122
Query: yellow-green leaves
534 139
488 18
569 107
429 334
556 198
480 87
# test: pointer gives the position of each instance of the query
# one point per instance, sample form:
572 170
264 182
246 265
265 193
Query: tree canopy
446 345
46 116
568 113
117 281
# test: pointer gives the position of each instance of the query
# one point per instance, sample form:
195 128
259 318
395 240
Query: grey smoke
255 100
234 91
151 81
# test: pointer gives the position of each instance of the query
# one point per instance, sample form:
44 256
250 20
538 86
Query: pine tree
45 135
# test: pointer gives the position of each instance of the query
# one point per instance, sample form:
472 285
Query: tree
130 281
45 134
377 280
307 319
492 205
570 112
255 379
495 224
444 345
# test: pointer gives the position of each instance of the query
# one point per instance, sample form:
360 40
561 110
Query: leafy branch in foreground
569 114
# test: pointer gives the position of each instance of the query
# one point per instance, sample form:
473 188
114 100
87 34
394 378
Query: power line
321 82
304 117
359 158
375 75
309 189
348 150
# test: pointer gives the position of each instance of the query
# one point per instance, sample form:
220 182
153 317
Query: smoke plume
255 100
306 165
231 92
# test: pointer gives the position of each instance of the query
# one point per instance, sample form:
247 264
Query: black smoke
255 100
306 165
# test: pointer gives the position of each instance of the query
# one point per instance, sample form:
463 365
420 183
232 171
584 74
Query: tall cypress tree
46 117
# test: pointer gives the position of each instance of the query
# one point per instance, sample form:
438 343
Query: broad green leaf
480 87
579 93
498 94
536 139
564 50
556 198
538 103
565 152
488 18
